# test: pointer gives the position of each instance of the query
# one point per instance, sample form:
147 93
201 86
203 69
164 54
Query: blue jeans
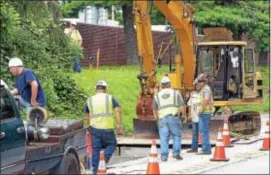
170 125
102 138
195 135
204 127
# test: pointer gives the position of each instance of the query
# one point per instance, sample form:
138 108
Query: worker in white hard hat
76 39
100 109
28 89
167 104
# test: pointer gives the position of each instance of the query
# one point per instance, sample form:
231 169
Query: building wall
111 42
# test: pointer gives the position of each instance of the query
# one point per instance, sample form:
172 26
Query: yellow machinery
219 57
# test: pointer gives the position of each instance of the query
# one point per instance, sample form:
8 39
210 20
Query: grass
123 84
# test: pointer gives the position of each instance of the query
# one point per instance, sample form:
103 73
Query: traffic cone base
225 160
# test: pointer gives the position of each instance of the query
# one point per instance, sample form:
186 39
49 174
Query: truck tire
68 165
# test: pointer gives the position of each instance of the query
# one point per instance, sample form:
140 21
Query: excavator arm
180 17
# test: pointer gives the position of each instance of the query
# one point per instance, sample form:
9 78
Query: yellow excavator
219 57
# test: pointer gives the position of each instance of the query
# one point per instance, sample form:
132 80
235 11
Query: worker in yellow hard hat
166 106
100 109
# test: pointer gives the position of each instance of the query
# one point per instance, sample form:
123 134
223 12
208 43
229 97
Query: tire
68 165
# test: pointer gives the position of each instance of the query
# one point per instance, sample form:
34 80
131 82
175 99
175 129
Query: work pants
102 138
204 127
170 125
195 135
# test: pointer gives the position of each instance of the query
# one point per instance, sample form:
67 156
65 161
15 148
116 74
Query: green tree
251 17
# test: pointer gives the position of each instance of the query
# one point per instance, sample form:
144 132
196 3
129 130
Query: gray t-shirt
179 100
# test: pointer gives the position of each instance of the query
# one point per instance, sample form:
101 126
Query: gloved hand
120 130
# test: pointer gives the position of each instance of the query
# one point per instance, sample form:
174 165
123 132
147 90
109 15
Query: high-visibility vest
208 108
101 111
167 102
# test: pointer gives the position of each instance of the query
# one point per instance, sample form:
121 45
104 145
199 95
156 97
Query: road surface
258 165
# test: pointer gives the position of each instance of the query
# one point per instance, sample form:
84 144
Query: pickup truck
60 152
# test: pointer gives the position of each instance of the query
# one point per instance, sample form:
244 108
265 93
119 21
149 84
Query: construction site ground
134 160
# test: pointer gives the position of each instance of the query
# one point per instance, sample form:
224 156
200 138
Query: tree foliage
31 30
251 17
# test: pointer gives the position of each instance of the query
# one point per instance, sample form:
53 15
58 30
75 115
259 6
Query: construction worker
28 90
194 103
99 111
205 112
166 107
76 38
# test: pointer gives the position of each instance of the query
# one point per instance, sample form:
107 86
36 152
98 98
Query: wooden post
98 58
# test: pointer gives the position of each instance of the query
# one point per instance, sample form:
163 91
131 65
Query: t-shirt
206 91
194 103
22 83
179 98
74 35
114 102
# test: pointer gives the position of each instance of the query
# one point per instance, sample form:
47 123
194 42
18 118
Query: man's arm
34 92
117 110
155 109
118 116
86 111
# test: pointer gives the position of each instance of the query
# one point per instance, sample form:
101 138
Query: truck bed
46 154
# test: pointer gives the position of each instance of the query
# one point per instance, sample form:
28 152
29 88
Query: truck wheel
68 165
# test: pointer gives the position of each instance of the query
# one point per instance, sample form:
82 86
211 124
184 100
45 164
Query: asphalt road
258 165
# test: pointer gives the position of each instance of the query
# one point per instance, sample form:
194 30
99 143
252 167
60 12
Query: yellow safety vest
167 102
209 108
101 111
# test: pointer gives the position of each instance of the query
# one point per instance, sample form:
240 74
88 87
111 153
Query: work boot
192 151
177 157
204 153
163 158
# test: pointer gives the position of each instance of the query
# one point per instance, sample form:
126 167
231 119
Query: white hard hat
74 23
101 83
165 80
15 62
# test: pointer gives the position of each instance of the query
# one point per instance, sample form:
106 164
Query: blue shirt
114 102
23 85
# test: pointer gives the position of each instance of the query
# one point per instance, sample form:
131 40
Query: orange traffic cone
102 165
266 140
219 154
89 150
200 138
153 165
226 135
